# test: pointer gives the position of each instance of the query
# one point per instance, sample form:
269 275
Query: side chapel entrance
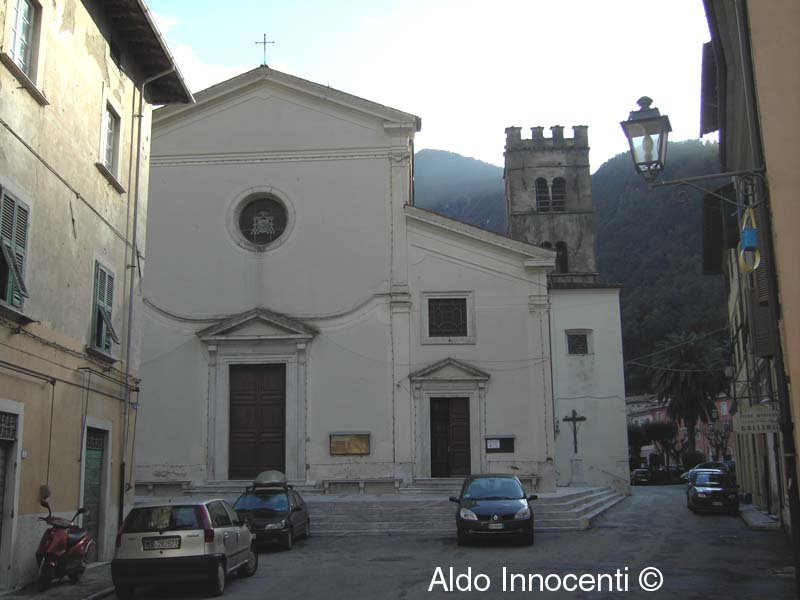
450 439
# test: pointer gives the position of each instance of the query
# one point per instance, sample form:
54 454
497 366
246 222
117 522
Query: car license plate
165 543
716 504
495 525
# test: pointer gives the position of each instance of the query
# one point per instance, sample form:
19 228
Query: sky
467 69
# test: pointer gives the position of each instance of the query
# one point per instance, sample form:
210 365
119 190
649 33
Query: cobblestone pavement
700 556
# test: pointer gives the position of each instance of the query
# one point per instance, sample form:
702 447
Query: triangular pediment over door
257 324
449 369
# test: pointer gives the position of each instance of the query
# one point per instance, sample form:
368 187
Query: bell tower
548 193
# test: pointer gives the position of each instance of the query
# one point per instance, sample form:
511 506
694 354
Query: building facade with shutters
747 96
74 144
303 315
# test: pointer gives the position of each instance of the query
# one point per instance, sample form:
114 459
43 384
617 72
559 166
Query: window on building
542 195
562 259
13 245
578 342
448 318
111 139
559 194
103 332
23 36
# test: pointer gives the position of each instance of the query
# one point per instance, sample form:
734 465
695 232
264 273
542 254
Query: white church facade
301 314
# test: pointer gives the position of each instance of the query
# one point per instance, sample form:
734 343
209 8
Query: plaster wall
775 39
50 140
593 385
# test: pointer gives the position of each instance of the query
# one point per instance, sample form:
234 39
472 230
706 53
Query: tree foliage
636 440
687 374
662 434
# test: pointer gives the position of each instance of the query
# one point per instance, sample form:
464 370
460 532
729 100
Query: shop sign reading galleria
762 418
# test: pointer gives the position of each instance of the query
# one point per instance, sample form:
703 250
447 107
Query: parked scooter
63 548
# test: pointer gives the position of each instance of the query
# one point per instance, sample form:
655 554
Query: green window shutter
20 246
103 332
14 234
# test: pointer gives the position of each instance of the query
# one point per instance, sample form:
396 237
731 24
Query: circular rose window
262 220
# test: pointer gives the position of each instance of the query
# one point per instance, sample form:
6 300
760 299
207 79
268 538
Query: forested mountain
648 241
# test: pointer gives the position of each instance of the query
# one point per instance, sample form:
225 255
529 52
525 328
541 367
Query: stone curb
755 519
105 593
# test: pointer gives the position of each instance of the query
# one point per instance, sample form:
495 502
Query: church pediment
257 324
449 369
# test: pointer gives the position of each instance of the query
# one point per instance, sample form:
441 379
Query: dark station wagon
274 511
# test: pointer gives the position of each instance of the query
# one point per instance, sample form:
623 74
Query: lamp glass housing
647 132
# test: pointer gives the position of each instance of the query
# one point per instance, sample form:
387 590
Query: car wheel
462 538
125 592
251 566
288 540
527 538
218 583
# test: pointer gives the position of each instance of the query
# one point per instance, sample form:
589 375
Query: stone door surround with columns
258 336
446 379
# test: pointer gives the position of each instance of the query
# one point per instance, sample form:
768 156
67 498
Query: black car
713 491
493 506
275 513
641 477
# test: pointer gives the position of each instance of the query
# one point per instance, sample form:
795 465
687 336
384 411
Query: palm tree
687 375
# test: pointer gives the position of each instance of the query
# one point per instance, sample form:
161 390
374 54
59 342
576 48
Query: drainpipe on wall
131 288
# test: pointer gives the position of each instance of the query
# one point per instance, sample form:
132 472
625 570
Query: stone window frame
542 195
427 339
110 108
30 79
589 341
558 194
237 203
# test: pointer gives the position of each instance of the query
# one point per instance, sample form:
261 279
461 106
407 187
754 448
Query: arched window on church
562 260
542 195
559 193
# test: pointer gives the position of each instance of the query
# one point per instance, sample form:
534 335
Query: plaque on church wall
499 444
349 444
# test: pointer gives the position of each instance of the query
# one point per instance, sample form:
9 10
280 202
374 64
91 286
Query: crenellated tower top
579 139
549 197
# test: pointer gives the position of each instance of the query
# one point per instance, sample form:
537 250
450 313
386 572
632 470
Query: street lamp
647 132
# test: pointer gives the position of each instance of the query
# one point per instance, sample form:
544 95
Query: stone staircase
431 514
422 508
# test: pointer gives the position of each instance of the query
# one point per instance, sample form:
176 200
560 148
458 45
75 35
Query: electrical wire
655 368
667 349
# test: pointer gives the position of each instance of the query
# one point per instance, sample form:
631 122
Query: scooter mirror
81 510
44 494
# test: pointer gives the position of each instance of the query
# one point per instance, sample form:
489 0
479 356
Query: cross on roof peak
264 43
